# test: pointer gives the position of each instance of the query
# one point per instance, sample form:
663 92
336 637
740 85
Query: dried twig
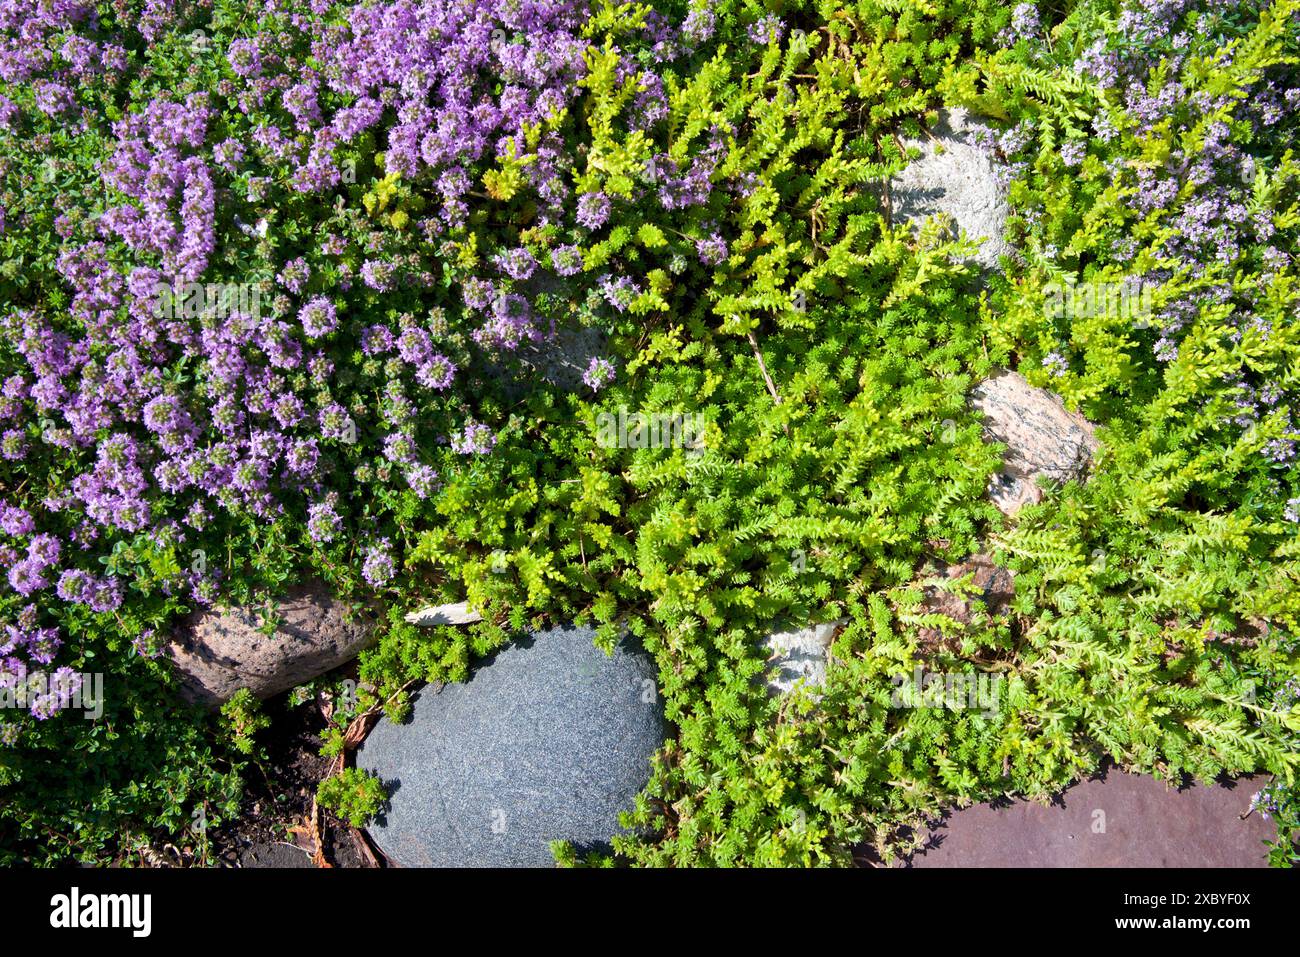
762 367
314 821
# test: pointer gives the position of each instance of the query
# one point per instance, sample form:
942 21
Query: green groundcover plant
279 281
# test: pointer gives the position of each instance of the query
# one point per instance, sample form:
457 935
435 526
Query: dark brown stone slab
1116 820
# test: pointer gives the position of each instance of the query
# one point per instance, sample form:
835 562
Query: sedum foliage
822 354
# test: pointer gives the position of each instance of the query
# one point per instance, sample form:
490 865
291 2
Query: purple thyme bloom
25 577
75 586
318 317
766 30
619 292
13 444
146 644
295 274
378 275
436 372
422 479
567 260
1024 21
16 521
1056 364
323 523
245 58
699 25
378 567
517 263
593 210
335 423
44 549
478 293
399 448
474 439
1072 152
712 249
43 644
599 373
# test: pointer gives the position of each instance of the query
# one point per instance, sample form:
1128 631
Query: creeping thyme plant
277 284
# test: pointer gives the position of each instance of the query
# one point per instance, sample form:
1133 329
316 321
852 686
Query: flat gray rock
277 854
563 358
955 177
550 739
559 359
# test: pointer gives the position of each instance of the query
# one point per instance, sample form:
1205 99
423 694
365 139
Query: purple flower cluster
1024 23
43 694
566 260
474 439
766 30
318 317
378 566
712 249
1198 200
39 644
158 403
619 291
323 522
1073 152
593 210
599 373
157 167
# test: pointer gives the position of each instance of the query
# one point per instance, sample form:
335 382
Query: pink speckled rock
1043 439
221 650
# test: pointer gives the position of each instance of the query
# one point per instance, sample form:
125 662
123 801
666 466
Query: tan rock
221 650
1043 439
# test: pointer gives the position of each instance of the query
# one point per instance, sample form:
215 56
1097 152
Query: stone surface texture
996 589
458 613
563 358
1115 820
548 740
953 176
800 656
277 855
1042 438
221 650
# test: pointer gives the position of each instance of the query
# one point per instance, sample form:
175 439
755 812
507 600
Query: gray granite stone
560 358
800 656
955 177
548 740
